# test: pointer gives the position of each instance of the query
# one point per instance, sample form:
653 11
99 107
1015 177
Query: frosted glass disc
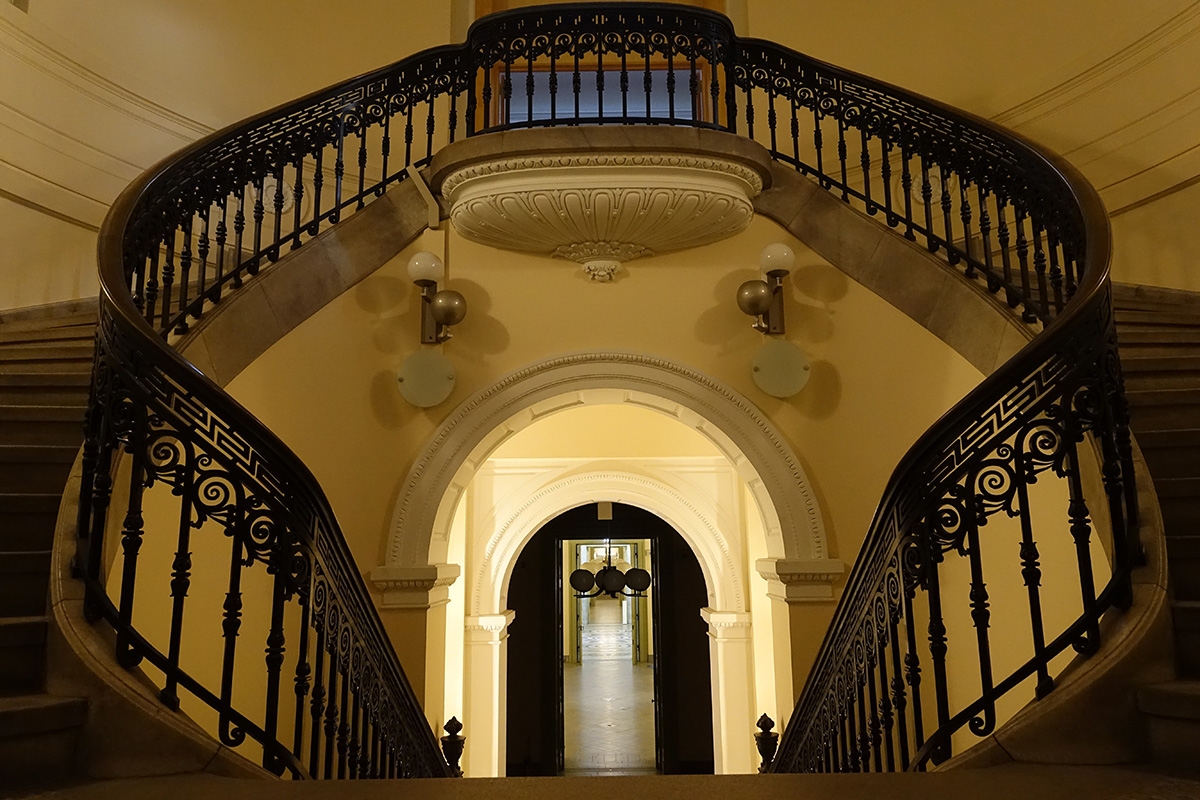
780 368
426 378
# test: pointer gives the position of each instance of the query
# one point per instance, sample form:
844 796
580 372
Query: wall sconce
763 300
439 309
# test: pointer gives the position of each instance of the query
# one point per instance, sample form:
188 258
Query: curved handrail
206 219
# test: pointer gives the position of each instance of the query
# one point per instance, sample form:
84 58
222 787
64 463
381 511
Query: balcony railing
330 698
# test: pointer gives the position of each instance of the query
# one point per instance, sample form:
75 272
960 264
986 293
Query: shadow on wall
722 324
823 284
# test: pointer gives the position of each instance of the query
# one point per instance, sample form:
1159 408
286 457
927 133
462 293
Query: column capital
726 625
488 628
420 586
796 580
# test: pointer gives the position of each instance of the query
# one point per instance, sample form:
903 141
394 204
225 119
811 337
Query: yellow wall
878 379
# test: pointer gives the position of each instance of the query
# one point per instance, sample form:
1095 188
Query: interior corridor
608 701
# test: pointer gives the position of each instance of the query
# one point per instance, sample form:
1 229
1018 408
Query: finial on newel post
767 742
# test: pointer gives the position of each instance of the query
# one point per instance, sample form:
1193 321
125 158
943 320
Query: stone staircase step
1181 513
22 655
38 737
1173 711
73 335
24 582
1125 294
43 396
1138 335
1136 381
82 318
1186 616
40 469
1167 409
67 379
27 369
49 425
1146 397
1133 363
1160 349
27 521
1171 460
1131 319
46 353
1183 559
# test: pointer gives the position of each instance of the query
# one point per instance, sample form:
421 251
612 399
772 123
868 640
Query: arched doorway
541 728
752 521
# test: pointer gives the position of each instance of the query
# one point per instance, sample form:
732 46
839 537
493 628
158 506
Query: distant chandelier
609 580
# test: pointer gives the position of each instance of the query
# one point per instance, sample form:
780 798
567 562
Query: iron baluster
202 247
277 200
985 239
1039 269
317 701
600 80
297 201
231 623
259 215
906 185
965 212
1056 273
303 679
185 269
1030 314
239 228
927 203
181 573
168 280
342 730
1031 572
843 153
222 236
385 147
331 704
318 181
885 173
1011 296
276 641
132 532
151 311
947 205
865 162
981 619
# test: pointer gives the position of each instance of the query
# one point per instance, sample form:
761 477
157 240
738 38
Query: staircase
45 368
1159 331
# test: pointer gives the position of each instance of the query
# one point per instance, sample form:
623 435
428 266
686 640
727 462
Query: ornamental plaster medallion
602 210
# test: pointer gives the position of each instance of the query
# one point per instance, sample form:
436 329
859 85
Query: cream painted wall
40 257
93 93
360 437
1159 243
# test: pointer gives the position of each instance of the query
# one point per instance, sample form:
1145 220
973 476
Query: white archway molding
712 532
763 458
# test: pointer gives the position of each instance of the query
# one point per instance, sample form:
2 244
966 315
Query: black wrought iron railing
304 669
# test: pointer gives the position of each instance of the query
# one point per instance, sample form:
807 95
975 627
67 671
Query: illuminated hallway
608 706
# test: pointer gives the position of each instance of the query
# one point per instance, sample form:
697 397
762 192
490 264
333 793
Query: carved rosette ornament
602 210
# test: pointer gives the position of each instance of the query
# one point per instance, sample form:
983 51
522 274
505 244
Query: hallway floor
608 707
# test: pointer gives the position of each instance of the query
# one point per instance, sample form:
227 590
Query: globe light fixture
763 299
439 309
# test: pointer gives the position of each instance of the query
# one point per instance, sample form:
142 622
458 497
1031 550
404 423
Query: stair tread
1178 699
38 453
1183 394
28 502
28 714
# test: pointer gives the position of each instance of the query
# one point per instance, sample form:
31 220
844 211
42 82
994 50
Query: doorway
665 630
